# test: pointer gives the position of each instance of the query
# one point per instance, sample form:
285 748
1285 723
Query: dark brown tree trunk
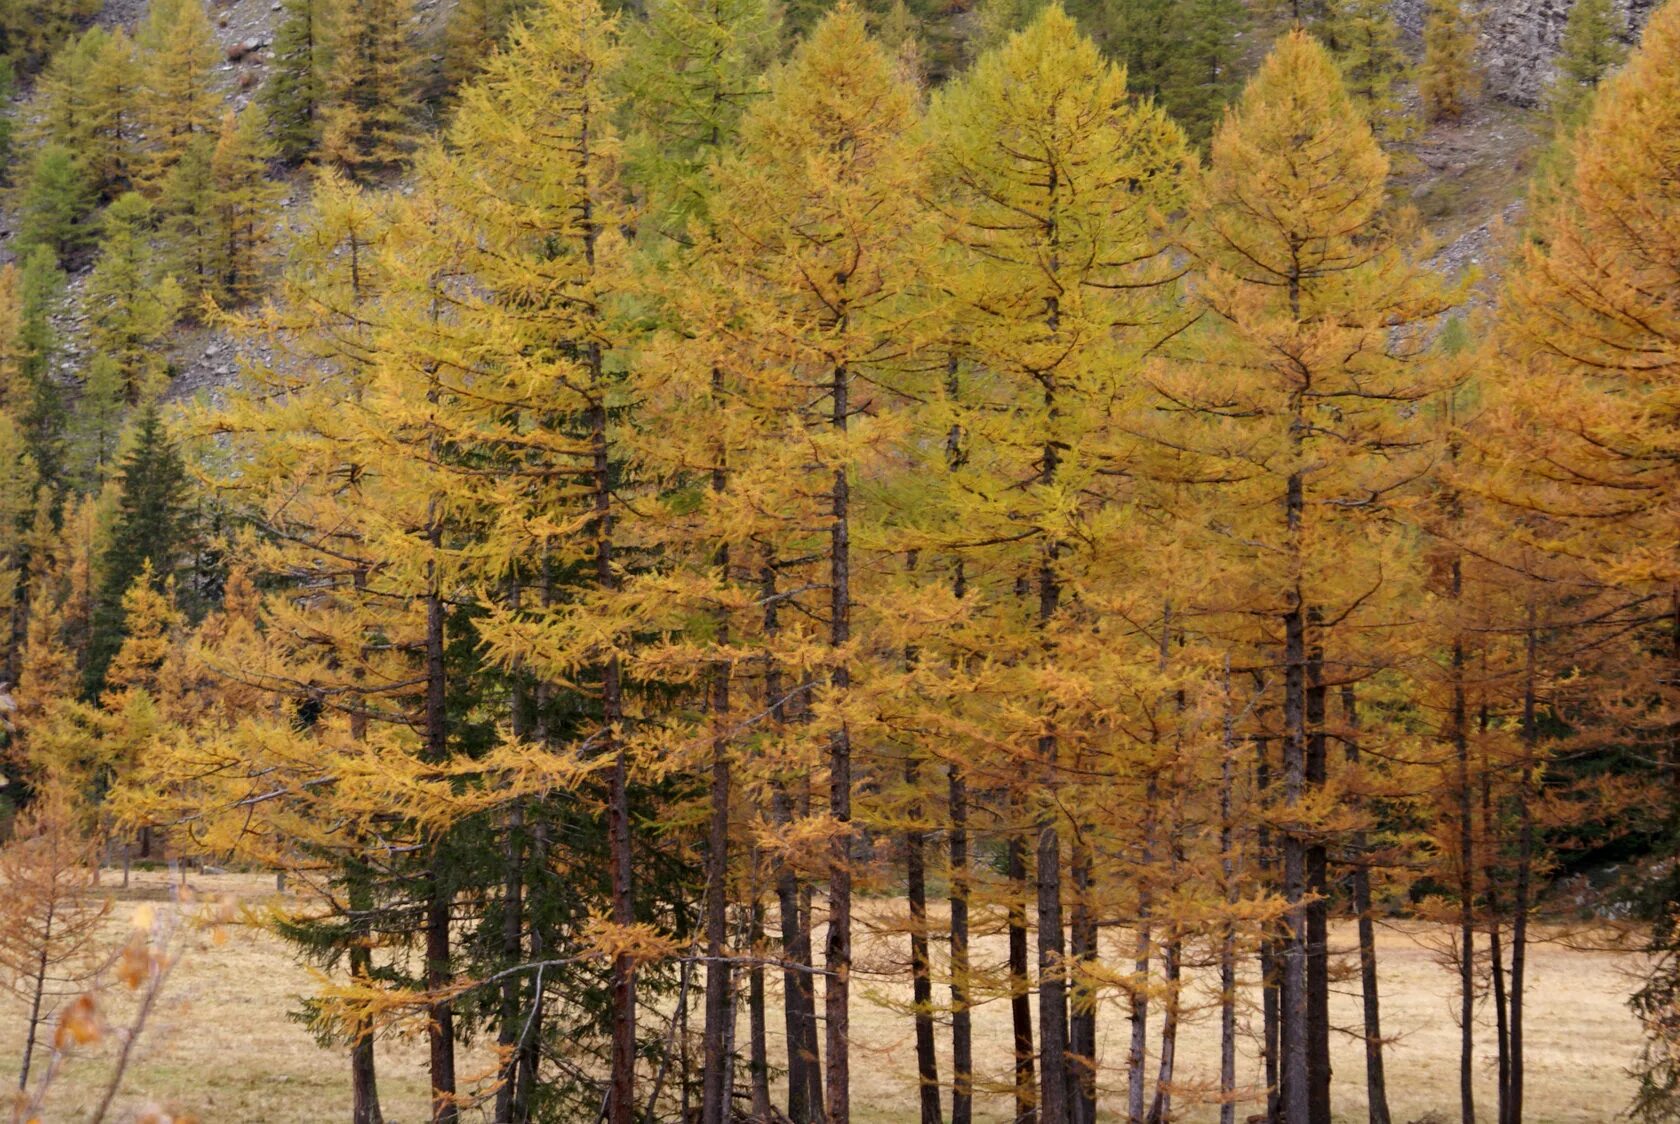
1294 1004
720 1008
1318 886
364 1079
1271 1041
513 951
621 1096
838 961
1466 876
1020 984
962 1040
1359 889
915 859
1530 735
1082 1039
1228 924
439 975
1160 1109
758 1047
962 1032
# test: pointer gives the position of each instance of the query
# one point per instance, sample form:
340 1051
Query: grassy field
223 1049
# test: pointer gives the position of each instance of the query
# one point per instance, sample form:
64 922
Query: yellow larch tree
1297 400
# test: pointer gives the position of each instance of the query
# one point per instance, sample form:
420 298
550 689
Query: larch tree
1448 79
1053 185
370 81
177 102
1318 310
132 307
811 216
1593 46
296 88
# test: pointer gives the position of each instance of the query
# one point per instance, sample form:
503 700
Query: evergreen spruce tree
691 69
293 94
1448 80
92 436
148 535
1206 72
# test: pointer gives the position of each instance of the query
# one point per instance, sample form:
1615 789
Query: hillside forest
700 493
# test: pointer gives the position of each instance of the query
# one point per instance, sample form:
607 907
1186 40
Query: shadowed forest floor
224 1049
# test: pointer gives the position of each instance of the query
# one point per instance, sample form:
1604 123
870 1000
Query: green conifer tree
294 91
1364 39
53 203
368 115
1593 46
130 308
149 532
177 52
1448 81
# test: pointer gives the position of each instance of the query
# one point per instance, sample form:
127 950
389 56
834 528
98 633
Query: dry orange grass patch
223 1048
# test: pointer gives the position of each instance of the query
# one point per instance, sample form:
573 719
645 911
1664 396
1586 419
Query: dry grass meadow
223 1049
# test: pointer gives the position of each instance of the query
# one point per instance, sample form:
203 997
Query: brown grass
224 1049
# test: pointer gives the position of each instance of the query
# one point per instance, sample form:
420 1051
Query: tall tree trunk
1020 984
1496 953
1082 1021
720 1008
1295 1073
1530 735
962 1032
513 951
962 1040
1228 924
441 1013
915 858
1138 1000
621 1098
1318 886
758 1047
1359 888
838 962
1466 875
1160 1109
1271 1039
799 1016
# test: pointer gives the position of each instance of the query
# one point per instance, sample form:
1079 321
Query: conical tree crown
1296 173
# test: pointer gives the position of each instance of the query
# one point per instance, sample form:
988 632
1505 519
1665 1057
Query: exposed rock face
1520 38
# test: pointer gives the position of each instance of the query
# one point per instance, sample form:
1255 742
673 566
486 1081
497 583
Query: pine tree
131 308
1448 79
1593 46
148 536
295 90
178 102
95 430
1206 72
370 99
